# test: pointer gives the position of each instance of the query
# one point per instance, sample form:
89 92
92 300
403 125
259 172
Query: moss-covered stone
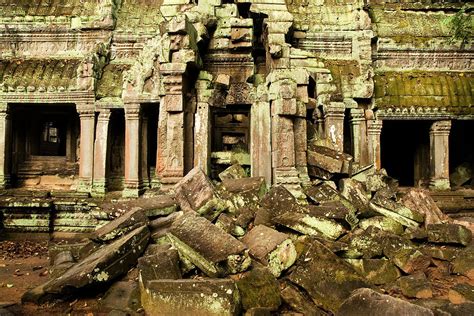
259 288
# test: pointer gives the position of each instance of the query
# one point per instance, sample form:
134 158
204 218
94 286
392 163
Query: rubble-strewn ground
357 246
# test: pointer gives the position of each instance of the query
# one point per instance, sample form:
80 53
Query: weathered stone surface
420 201
449 234
279 200
163 265
380 180
211 249
298 301
132 219
259 288
101 267
191 297
411 260
329 160
195 192
245 191
325 192
328 279
355 192
365 301
233 172
461 293
271 248
376 271
229 225
415 286
464 263
311 225
397 212
122 296
383 223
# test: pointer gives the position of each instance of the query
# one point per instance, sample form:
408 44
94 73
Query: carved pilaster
99 185
374 130
86 154
439 155
356 121
132 185
334 123
5 135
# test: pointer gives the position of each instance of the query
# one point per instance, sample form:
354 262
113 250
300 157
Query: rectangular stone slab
329 159
132 219
328 279
191 297
211 249
102 266
271 248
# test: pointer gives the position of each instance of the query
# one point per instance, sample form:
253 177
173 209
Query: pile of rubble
236 247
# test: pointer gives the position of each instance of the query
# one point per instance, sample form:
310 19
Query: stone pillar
5 152
260 140
334 123
86 153
99 184
170 149
439 155
144 172
202 137
132 151
356 121
374 129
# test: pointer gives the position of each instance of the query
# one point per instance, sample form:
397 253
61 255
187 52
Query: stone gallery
103 95
221 157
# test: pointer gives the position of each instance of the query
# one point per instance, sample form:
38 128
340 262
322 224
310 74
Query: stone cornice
423 113
48 97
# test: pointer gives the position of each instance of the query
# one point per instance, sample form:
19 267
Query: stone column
374 129
260 140
170 149
99 184
334 123
356 120
132 151
86 154
144 151
5 145
202 137
439 155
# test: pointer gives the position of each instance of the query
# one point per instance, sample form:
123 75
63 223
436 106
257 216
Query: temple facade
126 95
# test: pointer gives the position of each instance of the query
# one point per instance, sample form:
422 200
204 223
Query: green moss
110 84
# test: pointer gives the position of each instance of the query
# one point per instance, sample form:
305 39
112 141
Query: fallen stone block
233 172
123 296
312 225
325 193
376 271
420 201
161 226
163 265
195 192
411 260
461 293
415 286
191 297
363 302
279 200
228 224
246 191
449 234
397 212
271 248
259 288
457 309
367 244
383 223
62 262
356 193
329 159
461 175
445 253
123 224
381 180
299 302
319 173
208 247
101 267
328 279
464 263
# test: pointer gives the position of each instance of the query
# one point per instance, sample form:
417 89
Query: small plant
460 26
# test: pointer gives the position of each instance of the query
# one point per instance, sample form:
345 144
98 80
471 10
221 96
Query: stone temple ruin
307 101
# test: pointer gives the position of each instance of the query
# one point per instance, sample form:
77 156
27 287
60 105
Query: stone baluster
86 153
334 123
99 184
132 183
374 129
439 155
5 136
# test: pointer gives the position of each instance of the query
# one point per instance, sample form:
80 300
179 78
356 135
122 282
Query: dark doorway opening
405 149
461 152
